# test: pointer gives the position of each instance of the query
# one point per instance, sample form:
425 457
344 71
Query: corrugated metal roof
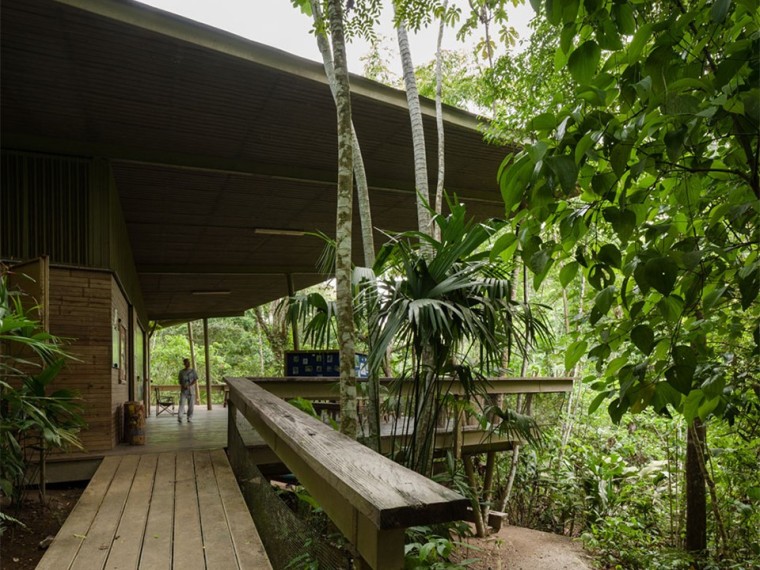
209 136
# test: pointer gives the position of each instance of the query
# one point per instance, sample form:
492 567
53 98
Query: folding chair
164 403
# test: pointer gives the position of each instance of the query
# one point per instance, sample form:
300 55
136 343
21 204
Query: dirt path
516 548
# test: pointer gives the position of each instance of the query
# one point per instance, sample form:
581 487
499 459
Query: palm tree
453 309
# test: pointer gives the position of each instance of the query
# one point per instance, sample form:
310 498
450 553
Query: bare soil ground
516 548
19 546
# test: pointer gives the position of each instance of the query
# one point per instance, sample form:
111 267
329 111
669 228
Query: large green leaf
643 337
513 179
719 10
584 61
610 254
568 273
749 286
565 170
661 273
574 353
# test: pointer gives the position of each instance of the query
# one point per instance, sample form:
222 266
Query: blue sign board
320 363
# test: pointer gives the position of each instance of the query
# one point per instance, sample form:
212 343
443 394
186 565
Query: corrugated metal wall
44 208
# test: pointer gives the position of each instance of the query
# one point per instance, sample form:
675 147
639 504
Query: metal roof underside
211 136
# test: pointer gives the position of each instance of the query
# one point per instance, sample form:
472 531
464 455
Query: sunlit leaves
663 217
583 61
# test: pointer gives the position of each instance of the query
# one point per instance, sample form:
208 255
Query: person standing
187 380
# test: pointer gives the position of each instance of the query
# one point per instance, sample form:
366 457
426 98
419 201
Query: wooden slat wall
81 309
119 390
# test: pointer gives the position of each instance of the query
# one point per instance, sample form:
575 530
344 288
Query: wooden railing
370 498
323 388
457 434
157 390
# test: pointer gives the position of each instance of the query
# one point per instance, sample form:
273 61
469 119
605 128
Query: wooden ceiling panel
210 137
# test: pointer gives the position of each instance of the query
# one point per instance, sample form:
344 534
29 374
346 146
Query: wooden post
192 355
208 364
294 325
231 426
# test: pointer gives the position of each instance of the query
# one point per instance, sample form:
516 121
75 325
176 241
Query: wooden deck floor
180 509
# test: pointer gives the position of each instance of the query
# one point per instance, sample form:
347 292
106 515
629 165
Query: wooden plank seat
176 510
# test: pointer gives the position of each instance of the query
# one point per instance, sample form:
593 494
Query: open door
32 280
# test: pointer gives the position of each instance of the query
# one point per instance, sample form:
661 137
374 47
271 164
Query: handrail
370 498
325 387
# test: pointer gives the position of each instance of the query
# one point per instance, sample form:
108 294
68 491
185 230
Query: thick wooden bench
371 499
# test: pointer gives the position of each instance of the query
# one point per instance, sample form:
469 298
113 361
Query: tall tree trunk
439 121
365 215
343 289
518 406
261 351
696 497
418 132
276 333
360 174
424 428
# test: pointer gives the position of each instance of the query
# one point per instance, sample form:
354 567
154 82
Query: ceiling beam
228 270
181 317
215 164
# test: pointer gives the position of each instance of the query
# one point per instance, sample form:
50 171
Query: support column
294 325
192 355
208 364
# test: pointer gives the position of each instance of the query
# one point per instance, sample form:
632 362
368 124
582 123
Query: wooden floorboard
127 544
73 533
159 528
99 541
214 527
248 546
174 510
188 540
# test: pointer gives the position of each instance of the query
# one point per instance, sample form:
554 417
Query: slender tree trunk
439 121
343 289
696 498
567 429
485 18
519 406
714 503
360 175
276 336
469 469
261 351
192 344
425 414
365 215
418 131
